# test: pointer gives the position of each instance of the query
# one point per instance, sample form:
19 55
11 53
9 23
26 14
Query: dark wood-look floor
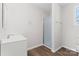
44 51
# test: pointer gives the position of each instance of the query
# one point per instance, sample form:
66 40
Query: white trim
34 47
70 48
54 50
47 46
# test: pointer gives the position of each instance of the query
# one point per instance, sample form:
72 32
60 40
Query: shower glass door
47 40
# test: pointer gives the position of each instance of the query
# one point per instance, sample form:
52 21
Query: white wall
56 27
70 31
65 33
28 20
0 20
0 25
24 19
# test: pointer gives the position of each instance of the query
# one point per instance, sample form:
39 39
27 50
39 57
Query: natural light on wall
77 15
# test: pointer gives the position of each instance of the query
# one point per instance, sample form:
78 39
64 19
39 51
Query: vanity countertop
13 39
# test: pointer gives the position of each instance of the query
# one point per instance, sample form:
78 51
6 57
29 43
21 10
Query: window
77 15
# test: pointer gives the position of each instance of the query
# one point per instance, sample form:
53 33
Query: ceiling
46 7
63 4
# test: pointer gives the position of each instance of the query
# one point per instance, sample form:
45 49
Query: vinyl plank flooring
44 51
66 52
40 51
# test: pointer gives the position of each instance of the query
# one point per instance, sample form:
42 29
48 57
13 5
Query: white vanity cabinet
14 17
17 48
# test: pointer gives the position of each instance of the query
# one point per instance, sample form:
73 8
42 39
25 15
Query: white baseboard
70 48
34 46
54 50
46 46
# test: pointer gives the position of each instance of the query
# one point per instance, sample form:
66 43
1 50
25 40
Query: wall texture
0 25
0 20
56 27
24 19
70 30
